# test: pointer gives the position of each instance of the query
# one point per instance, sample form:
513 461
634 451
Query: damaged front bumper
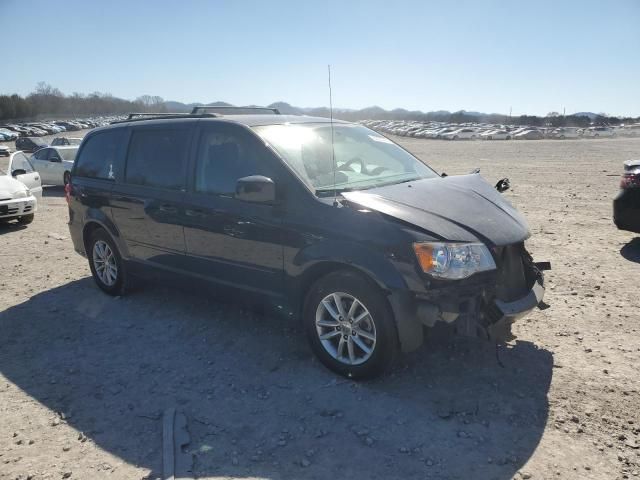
487 308
500 315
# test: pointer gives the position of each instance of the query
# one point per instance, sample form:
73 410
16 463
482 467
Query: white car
20 189
461 134
565 132
596 132
496 135
7 135
55 163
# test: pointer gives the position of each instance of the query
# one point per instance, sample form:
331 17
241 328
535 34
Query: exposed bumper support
505 313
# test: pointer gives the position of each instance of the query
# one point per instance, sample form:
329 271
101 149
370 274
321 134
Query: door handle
167 208
194 213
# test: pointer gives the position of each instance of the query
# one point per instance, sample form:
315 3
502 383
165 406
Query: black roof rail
131 117
236 110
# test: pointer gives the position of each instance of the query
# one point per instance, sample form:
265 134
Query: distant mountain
591 115
179 107
374 113
286 109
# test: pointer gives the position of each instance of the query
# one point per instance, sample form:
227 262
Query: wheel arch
389 283
96 221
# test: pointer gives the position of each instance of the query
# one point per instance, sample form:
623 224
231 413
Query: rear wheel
26 219
350 326
106 263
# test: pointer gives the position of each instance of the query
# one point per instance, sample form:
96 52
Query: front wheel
350 326
106 263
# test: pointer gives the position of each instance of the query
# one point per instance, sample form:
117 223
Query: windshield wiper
328 192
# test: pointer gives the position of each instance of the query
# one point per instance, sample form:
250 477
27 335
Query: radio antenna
333 152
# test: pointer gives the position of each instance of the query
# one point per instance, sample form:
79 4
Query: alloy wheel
345 328
105 264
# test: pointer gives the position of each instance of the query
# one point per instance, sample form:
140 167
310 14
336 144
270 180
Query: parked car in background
14 128
366 248
19 190
60 141
565 132
496 135
5 151
69 126
54 164
7 135
595 132
529 135
30 144
626 205
461 134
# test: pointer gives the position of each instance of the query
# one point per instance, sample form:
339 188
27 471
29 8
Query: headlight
21 194
453 260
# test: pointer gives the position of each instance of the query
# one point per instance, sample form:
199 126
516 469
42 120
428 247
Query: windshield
363 158
68 153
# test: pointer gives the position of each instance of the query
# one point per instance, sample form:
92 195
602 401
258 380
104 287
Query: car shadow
8 226
631 251
53 191
258 404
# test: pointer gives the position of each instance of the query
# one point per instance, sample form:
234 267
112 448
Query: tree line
50 101
46 100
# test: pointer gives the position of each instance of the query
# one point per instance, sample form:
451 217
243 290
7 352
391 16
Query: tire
66 178
106 252
562 137
26 219
455 137
367 351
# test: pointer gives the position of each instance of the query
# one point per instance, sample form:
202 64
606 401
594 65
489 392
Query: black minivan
330 222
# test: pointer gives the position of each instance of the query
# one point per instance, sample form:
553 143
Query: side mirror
18 171
256 189
55 159
503 185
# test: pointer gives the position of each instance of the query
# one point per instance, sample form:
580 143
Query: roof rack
131 117
235 110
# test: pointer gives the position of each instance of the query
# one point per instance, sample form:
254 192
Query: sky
532 57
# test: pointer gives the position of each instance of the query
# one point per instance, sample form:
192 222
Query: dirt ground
84 378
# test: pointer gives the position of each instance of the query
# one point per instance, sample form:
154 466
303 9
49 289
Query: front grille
512 262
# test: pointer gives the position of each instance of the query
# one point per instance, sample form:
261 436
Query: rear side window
157 157
224 156
41 154
99 155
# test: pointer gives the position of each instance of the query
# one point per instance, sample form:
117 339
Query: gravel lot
84 378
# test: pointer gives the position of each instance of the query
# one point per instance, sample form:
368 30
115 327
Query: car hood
9 185
462 208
